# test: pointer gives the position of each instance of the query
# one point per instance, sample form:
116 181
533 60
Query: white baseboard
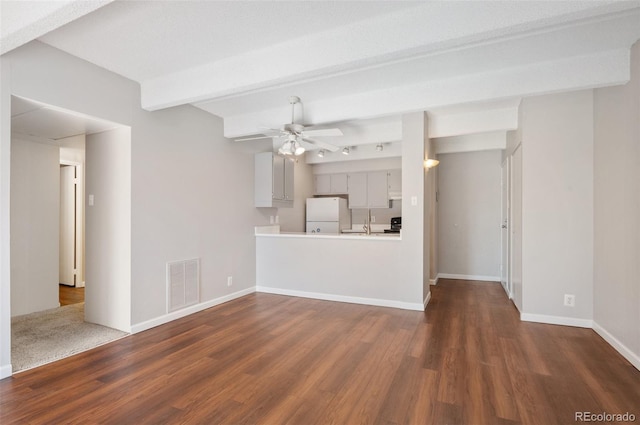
139 327
6 371
426 300
342 298
556 320
633 358
434 282
468 277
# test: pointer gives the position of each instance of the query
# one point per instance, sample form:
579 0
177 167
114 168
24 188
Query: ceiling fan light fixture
286 148
346 151
298 149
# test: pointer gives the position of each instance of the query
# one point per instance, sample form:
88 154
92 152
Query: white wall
557 206
414 247
5 246
35 212
191 189
515 245
361 271
192 194
108 224
617 213
469 214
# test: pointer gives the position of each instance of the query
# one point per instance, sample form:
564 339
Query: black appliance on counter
396 225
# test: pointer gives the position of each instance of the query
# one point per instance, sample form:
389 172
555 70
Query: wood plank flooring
269 359
70 295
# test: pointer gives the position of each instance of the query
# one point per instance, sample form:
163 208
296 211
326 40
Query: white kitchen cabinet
273 184
339 184
357 190
394 180
368 190
330 184
377 190
322 184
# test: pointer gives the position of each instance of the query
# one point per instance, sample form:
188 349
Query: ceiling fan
296 136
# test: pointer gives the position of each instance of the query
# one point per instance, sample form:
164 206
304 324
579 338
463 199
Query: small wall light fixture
430 163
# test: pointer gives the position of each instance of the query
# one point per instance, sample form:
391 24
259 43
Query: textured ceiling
240 60
147 39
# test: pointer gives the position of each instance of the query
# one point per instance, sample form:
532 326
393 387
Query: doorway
72 243
42 131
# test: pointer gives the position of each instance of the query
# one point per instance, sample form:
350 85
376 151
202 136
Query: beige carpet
50 335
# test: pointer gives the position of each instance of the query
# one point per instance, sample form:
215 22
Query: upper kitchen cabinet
368 190
394 180
377 190
330 184
357 185
273 181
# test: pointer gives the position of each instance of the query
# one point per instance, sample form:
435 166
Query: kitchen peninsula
356 268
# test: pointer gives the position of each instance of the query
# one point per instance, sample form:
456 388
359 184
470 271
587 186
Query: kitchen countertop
274 231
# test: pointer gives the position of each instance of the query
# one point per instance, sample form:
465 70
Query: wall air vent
183 284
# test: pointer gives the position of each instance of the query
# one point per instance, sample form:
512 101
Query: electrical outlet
569 300
229 280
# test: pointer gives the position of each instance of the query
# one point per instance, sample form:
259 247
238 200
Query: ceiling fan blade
322 132
244 139
323 145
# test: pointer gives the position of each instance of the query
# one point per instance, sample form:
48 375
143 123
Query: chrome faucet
367 224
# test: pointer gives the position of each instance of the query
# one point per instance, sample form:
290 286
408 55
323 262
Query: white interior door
67 225
504 269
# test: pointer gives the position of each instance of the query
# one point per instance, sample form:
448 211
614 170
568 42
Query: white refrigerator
327 215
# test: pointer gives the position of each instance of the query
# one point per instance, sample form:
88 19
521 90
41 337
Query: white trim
633 358
342 298
427 299
139 327
468 277
434 282
6 371
556 320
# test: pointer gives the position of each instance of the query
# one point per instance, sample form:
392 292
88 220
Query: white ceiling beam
575 73
372 42
471 142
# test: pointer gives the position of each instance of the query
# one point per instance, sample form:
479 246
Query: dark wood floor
70 295
268 359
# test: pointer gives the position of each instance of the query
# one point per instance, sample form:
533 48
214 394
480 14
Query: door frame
80 246
505 211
